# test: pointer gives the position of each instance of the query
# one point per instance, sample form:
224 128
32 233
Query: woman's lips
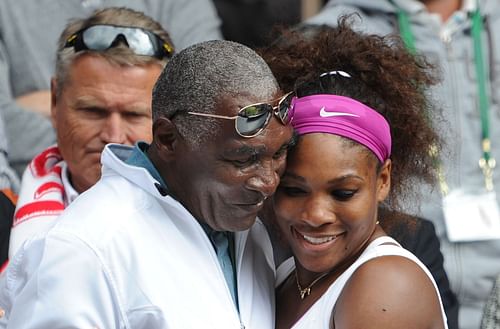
316 240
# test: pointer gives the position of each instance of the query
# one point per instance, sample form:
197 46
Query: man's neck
444 8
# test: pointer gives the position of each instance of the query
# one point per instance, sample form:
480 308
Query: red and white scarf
41 198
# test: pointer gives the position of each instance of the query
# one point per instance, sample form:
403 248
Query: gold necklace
304 292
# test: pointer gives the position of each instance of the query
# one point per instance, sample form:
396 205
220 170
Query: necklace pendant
305 292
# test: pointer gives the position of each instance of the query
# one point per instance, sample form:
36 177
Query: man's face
100 103
224 182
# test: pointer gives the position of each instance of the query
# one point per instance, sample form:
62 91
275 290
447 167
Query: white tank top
319 315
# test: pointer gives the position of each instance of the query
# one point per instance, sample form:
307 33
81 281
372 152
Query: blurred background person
28 38
106 67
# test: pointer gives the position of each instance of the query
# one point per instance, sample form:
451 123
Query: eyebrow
294 176
331 181
86 101
246 150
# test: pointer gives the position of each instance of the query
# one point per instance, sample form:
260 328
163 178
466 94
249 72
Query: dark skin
330 194
224 182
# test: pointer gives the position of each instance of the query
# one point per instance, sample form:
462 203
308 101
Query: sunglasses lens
284 108
140 41
99 37
251 119
102 37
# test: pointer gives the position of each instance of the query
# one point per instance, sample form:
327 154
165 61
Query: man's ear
53 102
166 138
384 181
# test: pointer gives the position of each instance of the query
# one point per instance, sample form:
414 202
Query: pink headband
343 116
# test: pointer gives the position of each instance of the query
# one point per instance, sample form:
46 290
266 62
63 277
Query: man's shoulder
112 202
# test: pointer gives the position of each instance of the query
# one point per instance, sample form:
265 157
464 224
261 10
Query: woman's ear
384 181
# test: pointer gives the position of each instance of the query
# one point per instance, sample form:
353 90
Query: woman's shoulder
389 291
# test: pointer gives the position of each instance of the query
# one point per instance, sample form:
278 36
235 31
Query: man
460 37
28 35
101 94
168 237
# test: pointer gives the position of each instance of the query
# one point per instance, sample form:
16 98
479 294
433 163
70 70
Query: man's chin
243 224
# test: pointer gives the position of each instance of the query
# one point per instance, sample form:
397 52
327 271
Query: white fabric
123 256
319 315
45 191
41 198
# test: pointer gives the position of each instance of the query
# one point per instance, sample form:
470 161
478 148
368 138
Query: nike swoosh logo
323 113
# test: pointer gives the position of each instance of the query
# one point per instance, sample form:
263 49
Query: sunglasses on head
323 83
102 37
252 119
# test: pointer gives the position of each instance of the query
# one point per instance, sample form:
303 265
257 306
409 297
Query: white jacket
124 256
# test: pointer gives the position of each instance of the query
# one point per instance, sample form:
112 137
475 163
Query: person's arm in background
37 101
26 133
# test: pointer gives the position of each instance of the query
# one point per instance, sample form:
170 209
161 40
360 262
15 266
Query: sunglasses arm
213 115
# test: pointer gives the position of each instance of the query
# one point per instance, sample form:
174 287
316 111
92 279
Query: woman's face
326 203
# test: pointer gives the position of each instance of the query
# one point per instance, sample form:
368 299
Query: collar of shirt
139 158
452 24
223 243
414 6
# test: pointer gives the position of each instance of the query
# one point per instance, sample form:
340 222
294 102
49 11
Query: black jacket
6 217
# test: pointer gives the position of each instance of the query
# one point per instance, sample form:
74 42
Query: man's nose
265 180
113 130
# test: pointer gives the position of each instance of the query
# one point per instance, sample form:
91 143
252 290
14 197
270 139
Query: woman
353 92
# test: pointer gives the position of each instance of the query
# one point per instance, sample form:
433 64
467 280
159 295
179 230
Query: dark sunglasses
102 37
252 119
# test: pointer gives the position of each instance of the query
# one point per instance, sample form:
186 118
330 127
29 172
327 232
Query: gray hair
201 76
120 55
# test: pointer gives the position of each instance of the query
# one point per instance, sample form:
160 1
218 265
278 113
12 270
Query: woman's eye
343 195
281 153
